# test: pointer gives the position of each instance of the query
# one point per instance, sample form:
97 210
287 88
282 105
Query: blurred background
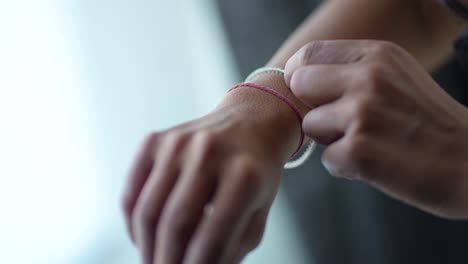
81 83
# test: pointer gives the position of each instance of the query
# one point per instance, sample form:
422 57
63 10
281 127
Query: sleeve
458 7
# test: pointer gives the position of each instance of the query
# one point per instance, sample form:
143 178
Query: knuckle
151 138
177 222
148 139
364 111
143 217
175 139
364 105
207 139
248 179
369 79
374 76
150 142
357 150
384 48
309 51
203 145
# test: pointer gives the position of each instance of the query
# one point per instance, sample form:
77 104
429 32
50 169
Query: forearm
407 23
425 28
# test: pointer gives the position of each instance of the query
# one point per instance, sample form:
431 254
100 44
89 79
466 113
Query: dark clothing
344 222
458 7
461 48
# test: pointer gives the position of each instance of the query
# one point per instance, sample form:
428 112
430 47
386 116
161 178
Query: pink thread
282 98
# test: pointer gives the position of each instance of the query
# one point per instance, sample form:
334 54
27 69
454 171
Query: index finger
326 52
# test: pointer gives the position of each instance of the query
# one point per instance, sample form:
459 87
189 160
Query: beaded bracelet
291 164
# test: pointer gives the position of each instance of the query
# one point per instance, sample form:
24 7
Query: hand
201 192
384 121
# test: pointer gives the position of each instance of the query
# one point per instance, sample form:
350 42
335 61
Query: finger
361 126
316 85
235 202
137 176
251 237
365 115
361 158
326 52
154 194
358 157
186 203
327 123
353 156
338 164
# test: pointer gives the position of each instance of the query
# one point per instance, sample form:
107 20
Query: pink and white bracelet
264 70
292 163
282 98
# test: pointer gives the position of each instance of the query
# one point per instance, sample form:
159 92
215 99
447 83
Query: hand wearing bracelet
280 72
230 161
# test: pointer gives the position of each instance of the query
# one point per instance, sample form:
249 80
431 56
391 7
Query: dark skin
372 103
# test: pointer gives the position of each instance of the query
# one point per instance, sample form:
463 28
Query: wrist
267 112
277 83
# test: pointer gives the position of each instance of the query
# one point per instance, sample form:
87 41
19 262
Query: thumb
327 52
